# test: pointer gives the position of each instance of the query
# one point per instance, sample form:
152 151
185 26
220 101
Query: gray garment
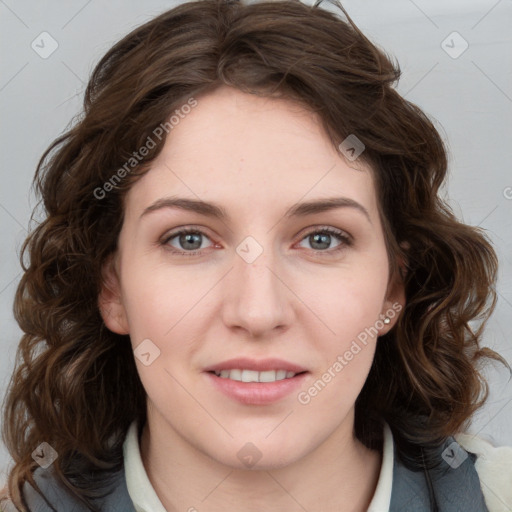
61 499
453 487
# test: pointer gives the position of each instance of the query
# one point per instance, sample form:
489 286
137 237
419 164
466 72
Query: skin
256 157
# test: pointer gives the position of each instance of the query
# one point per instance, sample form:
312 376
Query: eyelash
345 240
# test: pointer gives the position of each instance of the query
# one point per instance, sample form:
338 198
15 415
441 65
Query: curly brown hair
75 384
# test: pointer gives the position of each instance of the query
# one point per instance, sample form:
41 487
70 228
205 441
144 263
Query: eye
321 239
187 241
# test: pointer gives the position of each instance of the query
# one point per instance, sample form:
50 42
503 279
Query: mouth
256 381
245 375
252 387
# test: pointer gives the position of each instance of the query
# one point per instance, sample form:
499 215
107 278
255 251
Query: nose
256 296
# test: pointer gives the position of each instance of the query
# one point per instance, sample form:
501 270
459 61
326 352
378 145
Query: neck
340 474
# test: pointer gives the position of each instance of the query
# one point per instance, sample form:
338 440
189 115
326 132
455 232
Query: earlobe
391 312
109 300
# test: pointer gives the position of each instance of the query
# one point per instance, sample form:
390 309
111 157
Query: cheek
155 298
345 303
347 348
162 306
346 310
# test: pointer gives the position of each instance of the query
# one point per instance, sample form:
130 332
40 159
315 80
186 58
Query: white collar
139 487
382 497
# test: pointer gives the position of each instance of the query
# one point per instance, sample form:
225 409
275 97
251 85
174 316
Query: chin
257 457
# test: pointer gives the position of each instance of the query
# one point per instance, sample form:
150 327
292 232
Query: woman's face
264 282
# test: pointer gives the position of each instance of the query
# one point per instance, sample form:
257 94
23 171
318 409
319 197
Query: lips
256 382
262 365
256 393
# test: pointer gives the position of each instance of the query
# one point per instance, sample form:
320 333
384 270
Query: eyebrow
216 211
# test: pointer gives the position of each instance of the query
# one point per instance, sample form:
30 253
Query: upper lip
260 365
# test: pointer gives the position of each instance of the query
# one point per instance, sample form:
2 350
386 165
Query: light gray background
470 97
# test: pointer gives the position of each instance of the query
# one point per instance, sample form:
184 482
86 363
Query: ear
395 295
109 300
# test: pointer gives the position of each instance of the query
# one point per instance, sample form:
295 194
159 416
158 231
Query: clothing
472 486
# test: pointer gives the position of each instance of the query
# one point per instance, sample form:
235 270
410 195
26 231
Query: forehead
253 153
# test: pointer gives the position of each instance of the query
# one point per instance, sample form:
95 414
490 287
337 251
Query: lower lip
256 393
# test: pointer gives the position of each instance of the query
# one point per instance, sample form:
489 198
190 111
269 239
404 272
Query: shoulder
494 467
53 494
56 495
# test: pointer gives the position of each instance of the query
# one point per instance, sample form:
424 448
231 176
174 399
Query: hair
75 384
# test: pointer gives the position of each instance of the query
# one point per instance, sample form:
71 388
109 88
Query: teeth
254 376
280 374
250 376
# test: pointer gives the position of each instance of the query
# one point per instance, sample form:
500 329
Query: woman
247 293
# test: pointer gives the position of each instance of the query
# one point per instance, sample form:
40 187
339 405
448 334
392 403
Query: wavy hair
75 384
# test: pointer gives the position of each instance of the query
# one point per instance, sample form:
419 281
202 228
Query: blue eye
322 238
190 241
